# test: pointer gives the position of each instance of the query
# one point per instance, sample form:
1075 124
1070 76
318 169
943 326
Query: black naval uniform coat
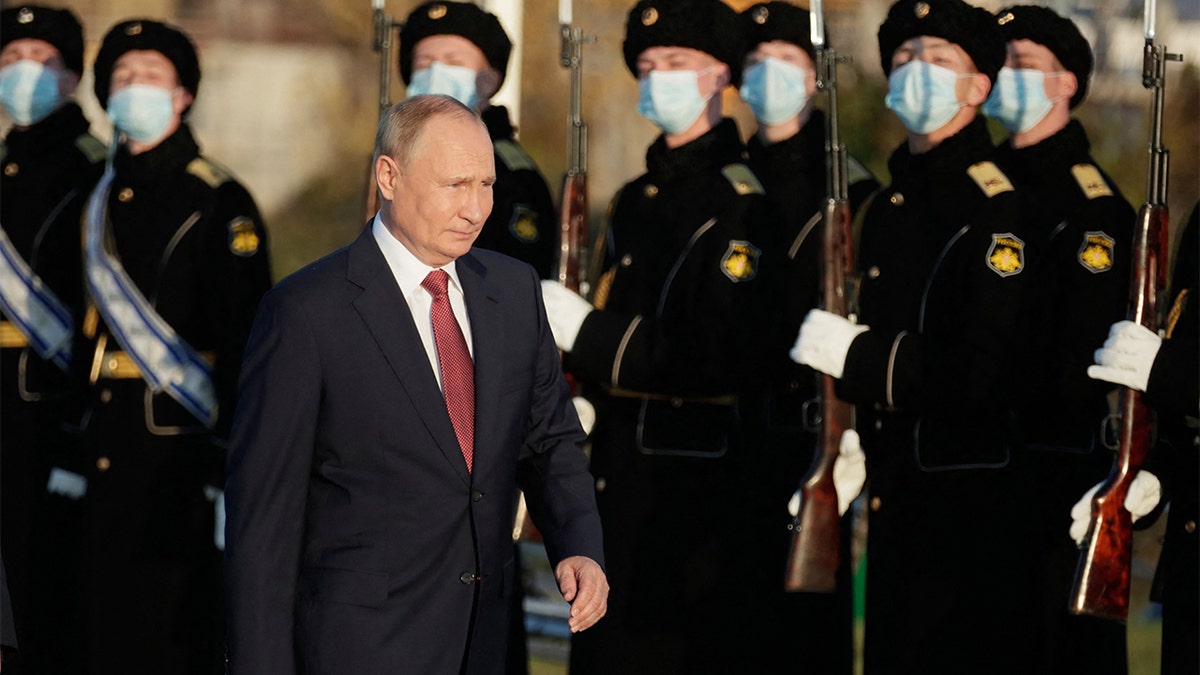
1173 393
46 173
523 223
663 361
191 239
1082 281
944 261
817 625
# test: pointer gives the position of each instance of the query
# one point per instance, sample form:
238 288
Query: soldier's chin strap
165 360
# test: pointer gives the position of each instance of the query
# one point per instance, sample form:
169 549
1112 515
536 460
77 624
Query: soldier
934 365
674 339
1083 284
50 163
458 49
176 262
787 152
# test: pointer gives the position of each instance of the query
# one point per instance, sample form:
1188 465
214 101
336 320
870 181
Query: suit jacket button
476 495
467 578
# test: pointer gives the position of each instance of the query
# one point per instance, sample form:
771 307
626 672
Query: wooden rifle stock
573 233
1101 586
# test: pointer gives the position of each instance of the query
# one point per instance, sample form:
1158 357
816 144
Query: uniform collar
58 129
949 158
1052 155
172 154
722 145
800 152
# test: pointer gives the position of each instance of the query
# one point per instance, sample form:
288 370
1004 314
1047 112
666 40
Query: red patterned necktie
458 372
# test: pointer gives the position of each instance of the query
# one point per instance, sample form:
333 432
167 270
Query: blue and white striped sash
35 310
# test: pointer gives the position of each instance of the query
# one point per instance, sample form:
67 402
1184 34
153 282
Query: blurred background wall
288 97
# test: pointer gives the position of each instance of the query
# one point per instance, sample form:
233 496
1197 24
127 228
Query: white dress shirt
409 273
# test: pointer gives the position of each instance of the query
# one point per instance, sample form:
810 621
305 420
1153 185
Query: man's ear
487 83
386 173
978 90
1068 84
723 76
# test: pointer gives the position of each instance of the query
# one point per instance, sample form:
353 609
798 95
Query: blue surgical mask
775 90
1019 101
29 91
923 95
456 82
142 112
671 99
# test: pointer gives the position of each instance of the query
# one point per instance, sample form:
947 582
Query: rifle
382 45
570 267
816 537
1101 586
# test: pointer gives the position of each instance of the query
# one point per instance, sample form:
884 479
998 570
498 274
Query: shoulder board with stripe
990 179
856 172
208 171
1091 181
91 147
742 179
513 155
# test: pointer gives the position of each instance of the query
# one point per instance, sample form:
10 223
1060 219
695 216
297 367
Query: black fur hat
139 34
465 19
1058 34
59 27
972 28
776 20
709 26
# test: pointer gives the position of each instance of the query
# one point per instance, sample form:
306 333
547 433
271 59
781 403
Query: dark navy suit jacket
357 542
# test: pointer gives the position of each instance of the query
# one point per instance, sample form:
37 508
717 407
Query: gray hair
401 125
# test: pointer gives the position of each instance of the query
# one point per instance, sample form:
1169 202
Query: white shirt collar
408 270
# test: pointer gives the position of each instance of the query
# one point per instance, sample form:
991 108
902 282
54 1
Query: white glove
565 310
1144 492
586 412
824 341
217 497
849 474
66 484
1127 355
849 470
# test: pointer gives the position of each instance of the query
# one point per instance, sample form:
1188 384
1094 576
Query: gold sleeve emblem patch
740 262
524 225
1006 255
1096 252
243 240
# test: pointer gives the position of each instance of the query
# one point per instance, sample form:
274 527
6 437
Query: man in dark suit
374 464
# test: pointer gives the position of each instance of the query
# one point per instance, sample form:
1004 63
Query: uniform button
105 395
601 484
467 578
476 496
676 402
1190 527
878 423
103 463
626 260
651 191
873 272
897 199
793 385
125 195
11 169
876 503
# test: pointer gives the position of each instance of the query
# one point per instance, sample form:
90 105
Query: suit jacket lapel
386 314
487 330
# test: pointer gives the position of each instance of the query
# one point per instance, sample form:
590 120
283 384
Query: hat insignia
921 10
437 11
1005 19
760 15
649 17
25 15
133 29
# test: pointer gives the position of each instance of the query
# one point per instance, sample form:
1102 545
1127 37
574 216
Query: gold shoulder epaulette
742 179
209 172
1090 181
513 155
989 178
91 147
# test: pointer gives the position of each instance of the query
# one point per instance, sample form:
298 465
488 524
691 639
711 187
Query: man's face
683 58
1026 54
152 68
788 52
939 52
438 202
32 49
448 50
